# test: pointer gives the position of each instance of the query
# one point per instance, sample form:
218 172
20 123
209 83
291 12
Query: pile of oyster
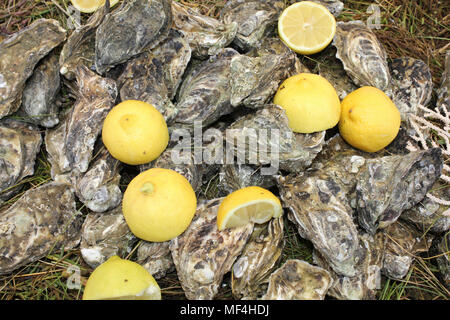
367 215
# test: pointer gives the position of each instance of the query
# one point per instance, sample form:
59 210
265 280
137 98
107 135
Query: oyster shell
205 92
99 188
19 54
412 85
79 49
206 36
127 31
19 144
403 242
237 176
298 280
366 282
390 185
443 93
71 143
156 258
362 55
443 260
104 235
258 259
202 254
36 223
39 94
255 19
335 6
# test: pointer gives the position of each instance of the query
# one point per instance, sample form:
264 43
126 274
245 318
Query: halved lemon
251 204
89 6
306 27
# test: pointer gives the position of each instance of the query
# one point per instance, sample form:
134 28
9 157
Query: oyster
206 36
36 223
38 98
366 282
443 93
71 143
443 260
403 242
143 79
335 6
127 31
390 185
79 49
362 55
255 19
237 176
19 145
298 280
202 254
104 235
258 259
412 85
205 92
156 258
99 188
19 54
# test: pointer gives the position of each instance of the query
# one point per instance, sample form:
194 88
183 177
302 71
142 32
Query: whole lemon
121 279
369 119
159 204
310 101
135 132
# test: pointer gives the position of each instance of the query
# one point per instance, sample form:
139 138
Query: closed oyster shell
252 269
207 36
298 280
205 92
390 185
362 55
39 94
99 188
233 177
403 242
128 30
36 223
255 19
412 85
156 258
19 144
19 54
443 260
104 235
71 143
202 254
443 93
335 6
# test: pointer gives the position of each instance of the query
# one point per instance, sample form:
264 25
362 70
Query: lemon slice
89 6
119 279
251 204
306 27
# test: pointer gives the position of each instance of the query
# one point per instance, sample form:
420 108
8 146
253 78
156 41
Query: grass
419 29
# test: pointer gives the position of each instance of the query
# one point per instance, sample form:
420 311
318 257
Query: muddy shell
156 258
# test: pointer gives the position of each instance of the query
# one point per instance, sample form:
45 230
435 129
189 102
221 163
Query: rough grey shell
233 177
143 80
79 49
335 6
255 19
207 36
99 188
412 85
156 258
71 143
366 282
362 55
19 144
251 271
390 185
36 224
443 260
203 254
19 54
128 30
403 242
298 280
104 235
205 92
443 93
38 98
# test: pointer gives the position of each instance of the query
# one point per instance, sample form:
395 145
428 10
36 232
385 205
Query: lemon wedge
89 6
251 204
306 27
